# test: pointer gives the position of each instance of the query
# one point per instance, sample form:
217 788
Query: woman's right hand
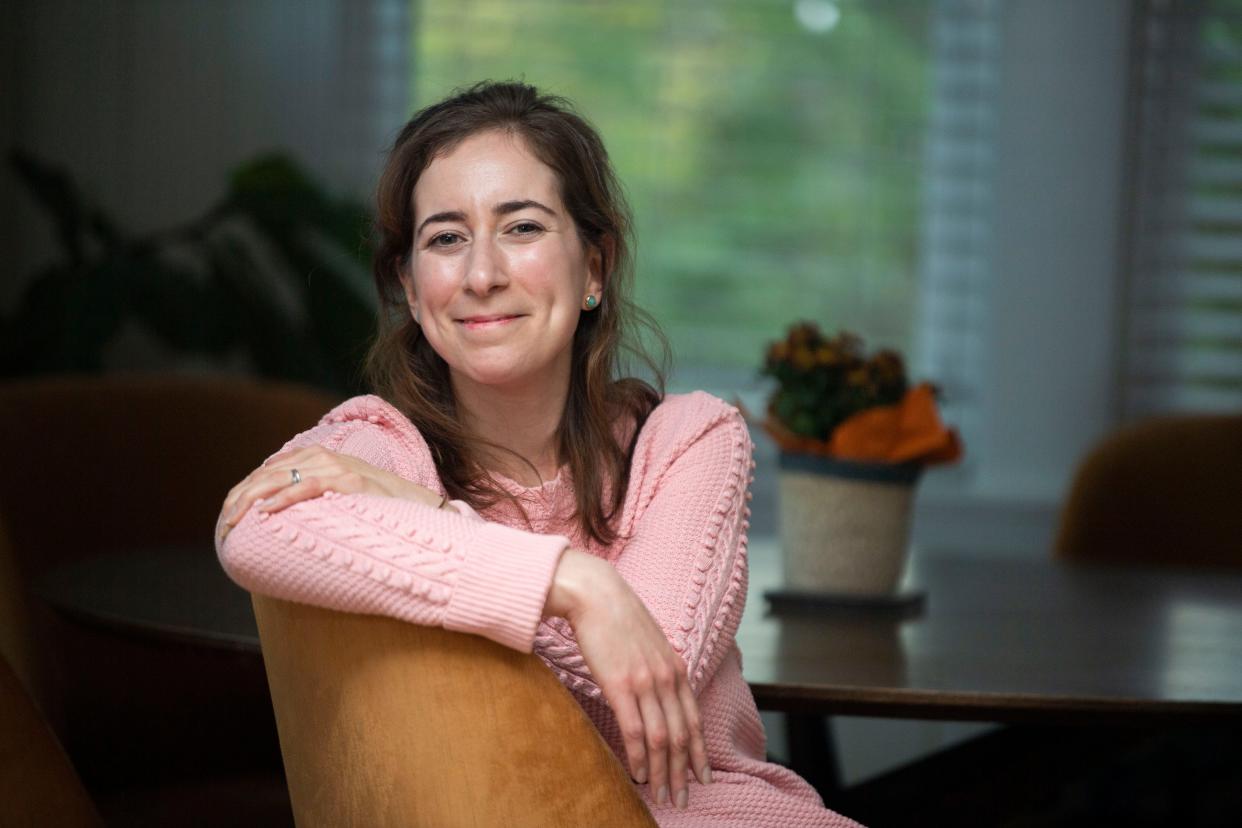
642 678
271 487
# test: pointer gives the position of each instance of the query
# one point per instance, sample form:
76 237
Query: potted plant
854 437
274 277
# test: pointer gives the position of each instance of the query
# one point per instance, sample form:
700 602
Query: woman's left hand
271 487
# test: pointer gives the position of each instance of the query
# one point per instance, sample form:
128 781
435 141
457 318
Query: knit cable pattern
682 549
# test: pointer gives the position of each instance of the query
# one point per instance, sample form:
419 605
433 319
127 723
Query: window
1183 332
773 152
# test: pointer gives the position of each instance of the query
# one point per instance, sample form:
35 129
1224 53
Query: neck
523 420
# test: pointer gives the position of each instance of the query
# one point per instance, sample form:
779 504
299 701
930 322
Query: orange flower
824 382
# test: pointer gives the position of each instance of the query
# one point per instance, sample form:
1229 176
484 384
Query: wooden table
1007 640
999 640
178 594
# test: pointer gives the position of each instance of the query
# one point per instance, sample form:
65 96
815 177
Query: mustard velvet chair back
384 723
1167 490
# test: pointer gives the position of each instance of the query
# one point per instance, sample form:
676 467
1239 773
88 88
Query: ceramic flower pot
844 526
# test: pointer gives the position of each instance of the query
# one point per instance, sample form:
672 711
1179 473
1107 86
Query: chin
495 372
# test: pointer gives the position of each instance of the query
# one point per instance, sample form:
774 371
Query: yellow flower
803 359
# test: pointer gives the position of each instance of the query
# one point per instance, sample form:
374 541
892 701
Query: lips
489 321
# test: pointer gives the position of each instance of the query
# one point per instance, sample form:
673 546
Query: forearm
407 560
577 578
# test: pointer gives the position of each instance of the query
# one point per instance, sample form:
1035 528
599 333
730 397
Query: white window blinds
956 256
1182 337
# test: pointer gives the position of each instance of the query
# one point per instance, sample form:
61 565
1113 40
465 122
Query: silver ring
297 478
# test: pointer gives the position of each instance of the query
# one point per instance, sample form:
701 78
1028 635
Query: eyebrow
502 209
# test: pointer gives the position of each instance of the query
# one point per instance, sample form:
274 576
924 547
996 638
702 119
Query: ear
597 255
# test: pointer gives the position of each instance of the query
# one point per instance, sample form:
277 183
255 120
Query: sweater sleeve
388 556
685 551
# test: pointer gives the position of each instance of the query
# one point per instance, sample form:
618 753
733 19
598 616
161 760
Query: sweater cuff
503 585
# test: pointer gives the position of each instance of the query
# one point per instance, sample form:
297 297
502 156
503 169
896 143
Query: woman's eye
445 239
526 228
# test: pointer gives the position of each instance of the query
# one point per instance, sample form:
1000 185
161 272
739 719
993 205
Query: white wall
1051 368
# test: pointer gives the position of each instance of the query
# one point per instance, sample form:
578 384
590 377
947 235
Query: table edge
147 631
983 707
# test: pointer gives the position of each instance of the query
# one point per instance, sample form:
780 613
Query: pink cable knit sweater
683 551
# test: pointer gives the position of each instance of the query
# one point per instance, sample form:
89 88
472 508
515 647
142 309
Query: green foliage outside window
773 165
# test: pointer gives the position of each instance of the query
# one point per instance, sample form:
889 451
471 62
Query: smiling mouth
475 323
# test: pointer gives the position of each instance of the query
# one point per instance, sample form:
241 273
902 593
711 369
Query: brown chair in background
1163 491
134 460
384 723
17 647
38 786
99 465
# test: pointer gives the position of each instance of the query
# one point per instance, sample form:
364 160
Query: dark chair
99 465
1163 491
38 786
131 461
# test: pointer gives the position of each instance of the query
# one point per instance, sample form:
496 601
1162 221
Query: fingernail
261 504
683 796
641 776
707 774
662 796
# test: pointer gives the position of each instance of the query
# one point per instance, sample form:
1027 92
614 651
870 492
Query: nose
485 272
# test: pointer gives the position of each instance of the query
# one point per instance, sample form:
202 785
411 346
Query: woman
507 483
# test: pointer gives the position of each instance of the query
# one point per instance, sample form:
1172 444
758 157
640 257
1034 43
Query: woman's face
498 273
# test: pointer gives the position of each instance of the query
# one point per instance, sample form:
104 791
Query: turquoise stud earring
591 301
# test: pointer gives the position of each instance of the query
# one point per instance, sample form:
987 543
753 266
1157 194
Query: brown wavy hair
403 368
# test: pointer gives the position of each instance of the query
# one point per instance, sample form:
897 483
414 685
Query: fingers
273 479
698 748
288 494
248 494
663 735
644 681
678 737
655 729
319 470
275 461
633 735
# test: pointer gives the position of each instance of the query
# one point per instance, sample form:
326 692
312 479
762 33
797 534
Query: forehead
485 169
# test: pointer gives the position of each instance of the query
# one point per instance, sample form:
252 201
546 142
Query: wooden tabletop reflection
998 639
173 593
1004 639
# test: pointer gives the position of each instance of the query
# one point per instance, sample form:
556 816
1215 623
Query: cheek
550 270
433 285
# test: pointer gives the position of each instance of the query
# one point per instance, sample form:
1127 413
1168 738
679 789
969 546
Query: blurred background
1039 202
1033 200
